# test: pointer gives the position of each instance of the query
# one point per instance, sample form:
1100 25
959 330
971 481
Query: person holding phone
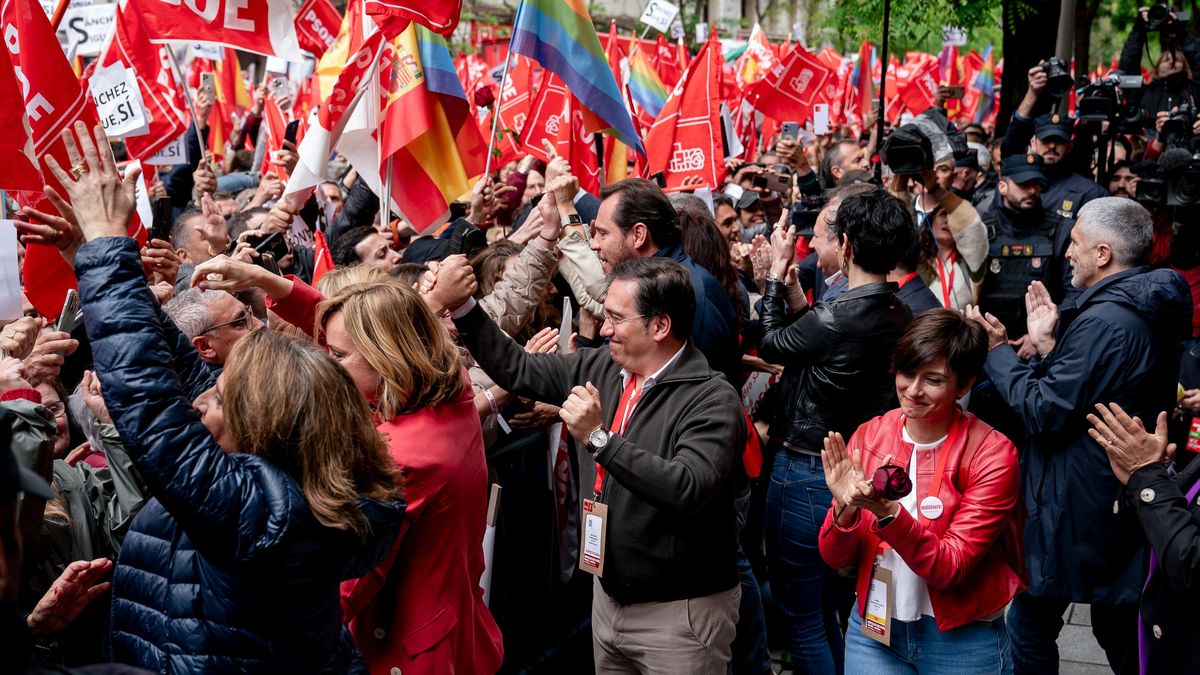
264 513
938 565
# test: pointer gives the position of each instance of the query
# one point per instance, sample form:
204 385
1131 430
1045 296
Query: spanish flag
427 131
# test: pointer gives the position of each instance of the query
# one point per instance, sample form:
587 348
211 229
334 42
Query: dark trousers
1034 625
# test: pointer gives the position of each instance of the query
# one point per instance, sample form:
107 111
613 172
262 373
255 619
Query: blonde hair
393 329
336 279
293 405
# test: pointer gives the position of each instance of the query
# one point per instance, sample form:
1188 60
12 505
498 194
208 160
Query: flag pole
883 63
187 95
487 165
59 12
386 202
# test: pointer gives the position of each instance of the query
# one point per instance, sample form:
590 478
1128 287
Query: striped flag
559 35
646 88
427 129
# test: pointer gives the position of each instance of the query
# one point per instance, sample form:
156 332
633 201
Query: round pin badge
931 507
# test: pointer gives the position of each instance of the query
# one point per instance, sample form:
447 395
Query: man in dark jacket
1120 341
636 220
663 436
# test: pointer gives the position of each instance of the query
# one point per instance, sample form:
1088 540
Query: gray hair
1121 223
191 310
688 202
181 230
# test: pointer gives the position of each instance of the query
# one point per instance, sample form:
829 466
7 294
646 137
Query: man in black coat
1120 341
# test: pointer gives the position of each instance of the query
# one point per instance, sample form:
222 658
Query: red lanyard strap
947 283
620 423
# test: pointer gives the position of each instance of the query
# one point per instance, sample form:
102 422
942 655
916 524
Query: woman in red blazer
936 567
422 610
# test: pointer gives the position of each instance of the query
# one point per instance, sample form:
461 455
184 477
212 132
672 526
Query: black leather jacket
837 359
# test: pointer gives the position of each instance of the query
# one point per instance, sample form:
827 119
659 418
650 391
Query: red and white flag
392 16
21 173
791 87
557 117
317 26
260 26
685 140
919 92
331 118
130 46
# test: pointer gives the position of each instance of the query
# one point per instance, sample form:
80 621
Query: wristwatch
571 219
885 521
597 440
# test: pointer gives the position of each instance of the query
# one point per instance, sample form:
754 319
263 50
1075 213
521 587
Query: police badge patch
995 266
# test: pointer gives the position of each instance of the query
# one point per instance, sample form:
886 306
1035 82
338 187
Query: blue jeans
979 648
801 583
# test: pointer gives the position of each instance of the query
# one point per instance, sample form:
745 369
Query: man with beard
1049 136
1122 180
752 216
1027 243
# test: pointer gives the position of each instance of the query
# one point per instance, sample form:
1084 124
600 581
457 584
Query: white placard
118 101
49 6
954 36
10 282
277 65
141 195
677 31
172 154
85 29
659 14
701 32
208 50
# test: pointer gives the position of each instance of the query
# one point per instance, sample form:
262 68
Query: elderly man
1118 342
212 320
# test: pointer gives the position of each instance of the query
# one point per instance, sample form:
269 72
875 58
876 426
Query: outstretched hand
103 201
69 595
1128 444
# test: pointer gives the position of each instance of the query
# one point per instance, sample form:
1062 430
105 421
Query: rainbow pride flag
559 35
984 86
645 86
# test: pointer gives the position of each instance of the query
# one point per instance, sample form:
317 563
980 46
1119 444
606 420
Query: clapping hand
1128 444
18 337
843 470
783 246
997 333
1041 317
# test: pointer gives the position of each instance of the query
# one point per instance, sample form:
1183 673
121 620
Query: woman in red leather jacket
937 566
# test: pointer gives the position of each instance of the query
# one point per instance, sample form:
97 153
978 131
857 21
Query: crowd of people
881 428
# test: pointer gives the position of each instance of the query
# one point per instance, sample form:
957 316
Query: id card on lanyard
595 512
880 600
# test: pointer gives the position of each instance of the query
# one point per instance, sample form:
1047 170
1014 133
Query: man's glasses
246 319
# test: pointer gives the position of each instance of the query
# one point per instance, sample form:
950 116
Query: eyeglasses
57 408
617 322
246 319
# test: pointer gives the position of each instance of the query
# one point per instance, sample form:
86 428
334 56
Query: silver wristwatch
597 440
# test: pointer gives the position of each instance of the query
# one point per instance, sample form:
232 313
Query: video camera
1108 100
1176 181
916 146
804 213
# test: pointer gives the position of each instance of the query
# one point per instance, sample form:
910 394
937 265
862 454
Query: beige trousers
688 637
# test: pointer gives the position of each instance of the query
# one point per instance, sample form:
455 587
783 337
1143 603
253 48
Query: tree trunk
1085 14
1029 37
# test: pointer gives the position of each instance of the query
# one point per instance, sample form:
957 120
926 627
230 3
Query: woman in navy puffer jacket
268 491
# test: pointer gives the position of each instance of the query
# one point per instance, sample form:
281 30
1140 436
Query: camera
1158 17
1106 100
1176 181
805 212
1177 129
907 151
1058 77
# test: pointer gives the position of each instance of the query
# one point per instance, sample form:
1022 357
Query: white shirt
910 591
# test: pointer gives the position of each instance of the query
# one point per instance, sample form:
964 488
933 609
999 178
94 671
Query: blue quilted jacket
225 569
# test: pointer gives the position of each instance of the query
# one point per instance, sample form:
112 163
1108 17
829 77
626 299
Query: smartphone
281 87
71 313
955 92
820 113
466 239
289 133
161 228
769 180
273 244
790 131
208 85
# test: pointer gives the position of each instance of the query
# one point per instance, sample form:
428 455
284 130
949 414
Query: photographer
1173 81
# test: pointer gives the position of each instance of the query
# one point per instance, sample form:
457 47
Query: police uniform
1023 247
1065 190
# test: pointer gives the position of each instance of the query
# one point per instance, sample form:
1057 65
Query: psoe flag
260 26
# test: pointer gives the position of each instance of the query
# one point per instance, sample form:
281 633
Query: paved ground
1077 649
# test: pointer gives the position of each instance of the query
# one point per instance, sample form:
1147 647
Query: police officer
1027 242
1049 136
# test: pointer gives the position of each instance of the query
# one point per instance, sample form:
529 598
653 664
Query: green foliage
914 25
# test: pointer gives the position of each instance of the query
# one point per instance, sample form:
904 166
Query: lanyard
629 399
947 287
957 429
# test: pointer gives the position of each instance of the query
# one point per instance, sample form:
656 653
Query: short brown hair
942 334
642 201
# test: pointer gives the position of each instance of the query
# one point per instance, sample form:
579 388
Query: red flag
919 92
260 26
21 173
866 75
513 106
666 61
558 118
830 58
439 16
790 89
317 26
161 94
686 138
274 128
322 260
53 101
